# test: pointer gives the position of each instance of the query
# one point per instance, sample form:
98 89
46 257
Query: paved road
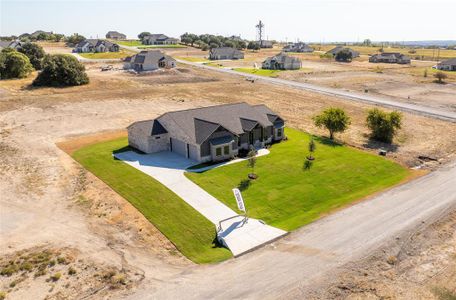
288 265
343 94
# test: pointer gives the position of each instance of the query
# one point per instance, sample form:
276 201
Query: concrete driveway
168 168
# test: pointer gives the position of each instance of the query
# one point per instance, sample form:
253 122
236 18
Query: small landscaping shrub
72 271
56 276
383 125
2 295
440 76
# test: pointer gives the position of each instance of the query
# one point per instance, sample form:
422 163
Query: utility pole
260 28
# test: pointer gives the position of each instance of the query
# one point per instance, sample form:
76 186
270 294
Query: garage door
179 147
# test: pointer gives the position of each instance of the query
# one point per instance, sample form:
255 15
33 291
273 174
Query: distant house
115 35
159 39
16 44
266 44
390 57
447 65
337 49
282 62
149 61
298 47
211 133
225 53
94 45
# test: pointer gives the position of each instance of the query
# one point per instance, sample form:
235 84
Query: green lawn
137 43
131 43
192 233
261 72
287 195
107 55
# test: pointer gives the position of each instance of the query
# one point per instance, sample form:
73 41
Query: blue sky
306 20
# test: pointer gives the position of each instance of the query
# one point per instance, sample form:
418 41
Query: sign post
239 200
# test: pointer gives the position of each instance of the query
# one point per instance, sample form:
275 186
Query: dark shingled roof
449 62
194 126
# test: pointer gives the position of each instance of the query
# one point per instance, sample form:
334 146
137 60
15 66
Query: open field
139 45
192 234
48 199
404 82
261 72
107 55
338 176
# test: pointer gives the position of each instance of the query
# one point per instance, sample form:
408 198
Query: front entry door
251 137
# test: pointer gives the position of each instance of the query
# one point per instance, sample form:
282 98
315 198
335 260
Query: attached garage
193 152
179 147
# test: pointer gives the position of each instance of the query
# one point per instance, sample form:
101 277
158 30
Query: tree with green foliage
143 34
74 39
253 46
334 119
14 64
312 147
383 125
440 76
251 162
61 70
344 55
34 52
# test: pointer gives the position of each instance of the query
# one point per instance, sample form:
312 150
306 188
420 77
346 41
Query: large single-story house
149 61
447 65
337 49
390 57
115 35
159 39
16 44
282 61
266 44
94 45
225 53
298 47
211 133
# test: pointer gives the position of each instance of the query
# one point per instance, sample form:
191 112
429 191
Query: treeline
46 36
54 70
209 41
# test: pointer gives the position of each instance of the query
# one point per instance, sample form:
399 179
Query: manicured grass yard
192 233
261 72
288 196
107 55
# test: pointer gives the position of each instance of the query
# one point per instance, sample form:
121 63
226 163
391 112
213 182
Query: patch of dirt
61 274
421 265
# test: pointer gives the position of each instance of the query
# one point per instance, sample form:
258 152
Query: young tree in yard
312 148
383 125
14 64
334 119
253 46
440 76
61 70
344 56
34 52
251 161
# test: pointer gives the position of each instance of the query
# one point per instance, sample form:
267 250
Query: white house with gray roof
149 61
16 44
159 39
225 53
211 133
447 65
282 61
95 45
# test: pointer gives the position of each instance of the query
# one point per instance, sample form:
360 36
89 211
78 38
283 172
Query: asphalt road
342 94
289 265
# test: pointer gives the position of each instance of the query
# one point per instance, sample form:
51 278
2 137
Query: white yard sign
239 200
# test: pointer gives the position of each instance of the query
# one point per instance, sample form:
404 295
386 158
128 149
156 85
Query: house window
226 150
157 137
279 132
218 151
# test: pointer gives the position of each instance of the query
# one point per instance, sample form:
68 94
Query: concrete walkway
168 168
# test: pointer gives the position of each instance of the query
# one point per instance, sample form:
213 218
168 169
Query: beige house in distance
211 133
282 62
149 61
